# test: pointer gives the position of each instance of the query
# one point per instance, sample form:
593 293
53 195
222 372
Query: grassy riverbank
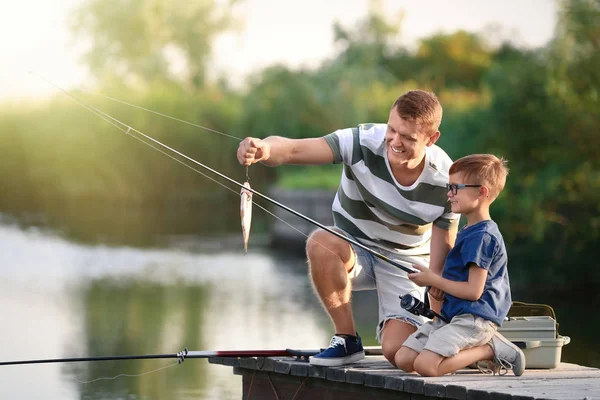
312 177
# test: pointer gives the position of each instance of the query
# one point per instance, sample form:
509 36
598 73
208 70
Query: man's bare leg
405 359
330 260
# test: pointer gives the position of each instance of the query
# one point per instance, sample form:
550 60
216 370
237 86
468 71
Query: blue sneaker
341 351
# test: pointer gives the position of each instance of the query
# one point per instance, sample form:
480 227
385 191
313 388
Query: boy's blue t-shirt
483 245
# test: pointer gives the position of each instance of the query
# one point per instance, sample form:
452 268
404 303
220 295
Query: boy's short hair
420 107
484 169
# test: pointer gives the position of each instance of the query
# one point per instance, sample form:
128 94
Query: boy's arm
470 290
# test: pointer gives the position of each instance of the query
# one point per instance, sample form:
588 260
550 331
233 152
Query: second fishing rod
128 129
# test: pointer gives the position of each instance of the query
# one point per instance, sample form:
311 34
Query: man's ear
433 138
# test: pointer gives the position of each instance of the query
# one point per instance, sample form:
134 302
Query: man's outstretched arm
276 150
442 241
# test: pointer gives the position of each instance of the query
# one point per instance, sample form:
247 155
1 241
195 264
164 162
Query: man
392 197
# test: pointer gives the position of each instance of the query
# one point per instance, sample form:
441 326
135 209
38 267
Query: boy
474 280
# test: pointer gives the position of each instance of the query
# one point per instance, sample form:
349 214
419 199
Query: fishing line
236 193
108 118
231 190
121 126
187 165
129 128
194 169
163 115
110 378
125 375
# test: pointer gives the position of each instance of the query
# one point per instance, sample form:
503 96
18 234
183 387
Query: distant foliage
537 107
145 42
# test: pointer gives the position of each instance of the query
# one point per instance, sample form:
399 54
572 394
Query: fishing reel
417 307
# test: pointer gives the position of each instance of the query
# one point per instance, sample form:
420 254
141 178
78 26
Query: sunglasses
453 187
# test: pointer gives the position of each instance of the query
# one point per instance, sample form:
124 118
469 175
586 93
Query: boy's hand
425 277
436 294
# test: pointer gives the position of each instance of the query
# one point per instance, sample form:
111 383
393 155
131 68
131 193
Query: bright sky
34 34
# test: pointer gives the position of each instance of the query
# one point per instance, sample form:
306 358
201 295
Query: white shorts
463 332
371 272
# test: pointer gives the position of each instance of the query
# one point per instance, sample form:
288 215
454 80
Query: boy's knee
425 367
405 359
427 371
404 363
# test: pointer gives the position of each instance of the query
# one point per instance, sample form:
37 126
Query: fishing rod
96 111
184 354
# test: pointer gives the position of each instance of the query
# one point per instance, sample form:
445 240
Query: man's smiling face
406 140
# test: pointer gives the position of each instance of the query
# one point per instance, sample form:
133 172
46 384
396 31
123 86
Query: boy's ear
484 191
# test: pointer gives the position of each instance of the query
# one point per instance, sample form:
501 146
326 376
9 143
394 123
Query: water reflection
62 299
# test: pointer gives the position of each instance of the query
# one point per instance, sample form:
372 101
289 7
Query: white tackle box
537 327
537 336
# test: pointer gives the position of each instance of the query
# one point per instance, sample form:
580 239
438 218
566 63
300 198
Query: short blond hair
420 107
484 169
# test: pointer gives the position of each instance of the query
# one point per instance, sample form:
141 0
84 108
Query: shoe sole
336 362
517 371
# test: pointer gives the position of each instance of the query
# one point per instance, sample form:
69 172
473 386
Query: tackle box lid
531 327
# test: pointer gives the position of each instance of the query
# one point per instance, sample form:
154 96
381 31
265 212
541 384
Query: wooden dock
286 378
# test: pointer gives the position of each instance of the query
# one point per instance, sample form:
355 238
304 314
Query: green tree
544 116
574 82
148 41
368 42
282 102
459 59
575 73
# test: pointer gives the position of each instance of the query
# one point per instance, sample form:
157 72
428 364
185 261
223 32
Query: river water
64 298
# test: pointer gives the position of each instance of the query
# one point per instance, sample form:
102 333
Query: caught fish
246 213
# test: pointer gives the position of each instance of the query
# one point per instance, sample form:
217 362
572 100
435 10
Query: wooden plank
250 363
336 374
267 364
461 389
270 385
568 381
282 367
317 372
355 376
378 378
394 383
414 384
299 369
455 391
533 389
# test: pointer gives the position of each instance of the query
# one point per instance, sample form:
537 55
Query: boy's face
405 140
466 199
